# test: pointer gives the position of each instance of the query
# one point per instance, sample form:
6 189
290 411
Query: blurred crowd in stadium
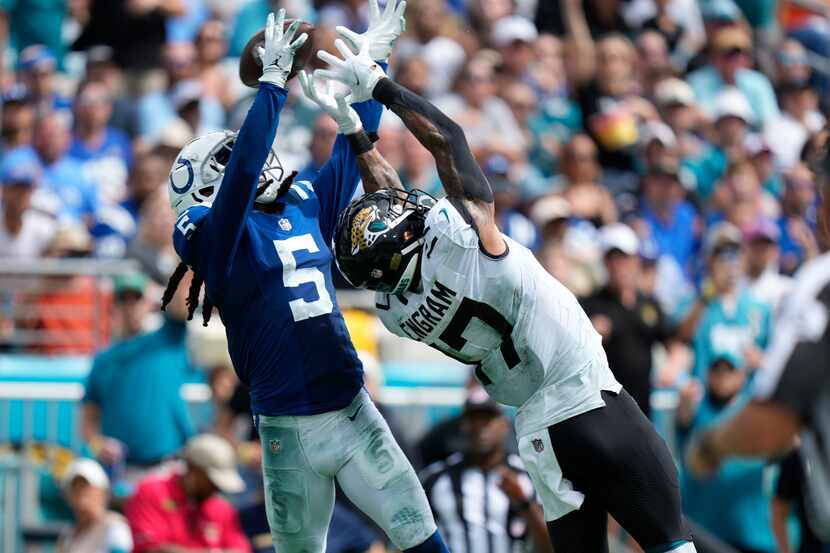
648 151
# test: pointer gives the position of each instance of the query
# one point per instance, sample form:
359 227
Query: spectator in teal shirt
36 22
734 504
733 323
730 60
133 394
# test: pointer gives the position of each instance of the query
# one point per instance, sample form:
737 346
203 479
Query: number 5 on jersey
292 277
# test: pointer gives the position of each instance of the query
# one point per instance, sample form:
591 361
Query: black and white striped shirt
471 511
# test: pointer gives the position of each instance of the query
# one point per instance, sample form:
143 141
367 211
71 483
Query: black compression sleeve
442 136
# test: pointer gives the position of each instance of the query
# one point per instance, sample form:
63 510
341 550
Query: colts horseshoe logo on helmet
182 176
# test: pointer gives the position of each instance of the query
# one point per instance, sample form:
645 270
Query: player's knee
294 544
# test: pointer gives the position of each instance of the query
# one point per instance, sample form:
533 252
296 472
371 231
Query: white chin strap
687 547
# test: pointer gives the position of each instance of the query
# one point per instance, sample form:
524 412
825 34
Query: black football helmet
379 238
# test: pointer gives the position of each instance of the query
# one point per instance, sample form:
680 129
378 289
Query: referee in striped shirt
482 497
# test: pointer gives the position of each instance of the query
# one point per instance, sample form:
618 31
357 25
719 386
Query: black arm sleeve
443 137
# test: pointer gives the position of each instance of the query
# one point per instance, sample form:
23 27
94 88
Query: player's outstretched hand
358 71
277 53
334 105
384 29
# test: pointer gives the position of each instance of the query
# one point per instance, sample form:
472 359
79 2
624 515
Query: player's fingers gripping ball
251 63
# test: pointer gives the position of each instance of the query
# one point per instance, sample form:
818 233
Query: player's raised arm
353 156
460 174
243 172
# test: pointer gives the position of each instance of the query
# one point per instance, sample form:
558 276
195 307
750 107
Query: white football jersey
531 342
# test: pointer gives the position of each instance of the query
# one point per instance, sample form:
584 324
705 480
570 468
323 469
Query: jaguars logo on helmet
379 237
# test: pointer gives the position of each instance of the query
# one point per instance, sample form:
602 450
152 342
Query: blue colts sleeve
225 222
337 180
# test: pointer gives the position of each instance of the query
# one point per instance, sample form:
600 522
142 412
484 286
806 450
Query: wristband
360 142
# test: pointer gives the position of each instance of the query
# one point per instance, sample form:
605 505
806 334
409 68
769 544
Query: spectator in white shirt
24 231
799 119
96 529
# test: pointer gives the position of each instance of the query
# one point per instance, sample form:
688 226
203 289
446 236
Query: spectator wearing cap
182 509
630 322
798 221
729 66
24 232
675 101
730 320
514 37
657 142
37 72
799 119
156 110
763 160
669 219
733 116
482 497
763 279
488 124
104 152
86 488
579 183
135 376
739 489
17 119
435 37
132 306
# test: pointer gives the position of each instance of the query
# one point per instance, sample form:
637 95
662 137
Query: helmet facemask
270 179
379 240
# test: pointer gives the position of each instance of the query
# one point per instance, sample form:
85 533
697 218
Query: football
250 68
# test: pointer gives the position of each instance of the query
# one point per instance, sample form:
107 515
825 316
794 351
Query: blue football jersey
269 274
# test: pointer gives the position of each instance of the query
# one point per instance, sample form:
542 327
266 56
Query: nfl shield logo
285 224
538 445
275 446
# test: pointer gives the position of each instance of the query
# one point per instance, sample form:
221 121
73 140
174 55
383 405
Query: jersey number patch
469 310
293 277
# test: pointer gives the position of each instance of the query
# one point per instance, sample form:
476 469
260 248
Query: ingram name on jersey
531 342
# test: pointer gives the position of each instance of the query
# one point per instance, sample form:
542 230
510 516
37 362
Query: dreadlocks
192 293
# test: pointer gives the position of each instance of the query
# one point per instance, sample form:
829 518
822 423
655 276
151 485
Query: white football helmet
199 168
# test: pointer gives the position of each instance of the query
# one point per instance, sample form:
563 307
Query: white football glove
384 29
359 72
277 54
335 105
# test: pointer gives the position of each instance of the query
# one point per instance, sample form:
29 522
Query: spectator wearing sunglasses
729 65
732 322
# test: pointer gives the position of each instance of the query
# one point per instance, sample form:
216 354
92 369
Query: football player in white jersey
445 275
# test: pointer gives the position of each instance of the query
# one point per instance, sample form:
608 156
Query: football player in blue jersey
259 242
